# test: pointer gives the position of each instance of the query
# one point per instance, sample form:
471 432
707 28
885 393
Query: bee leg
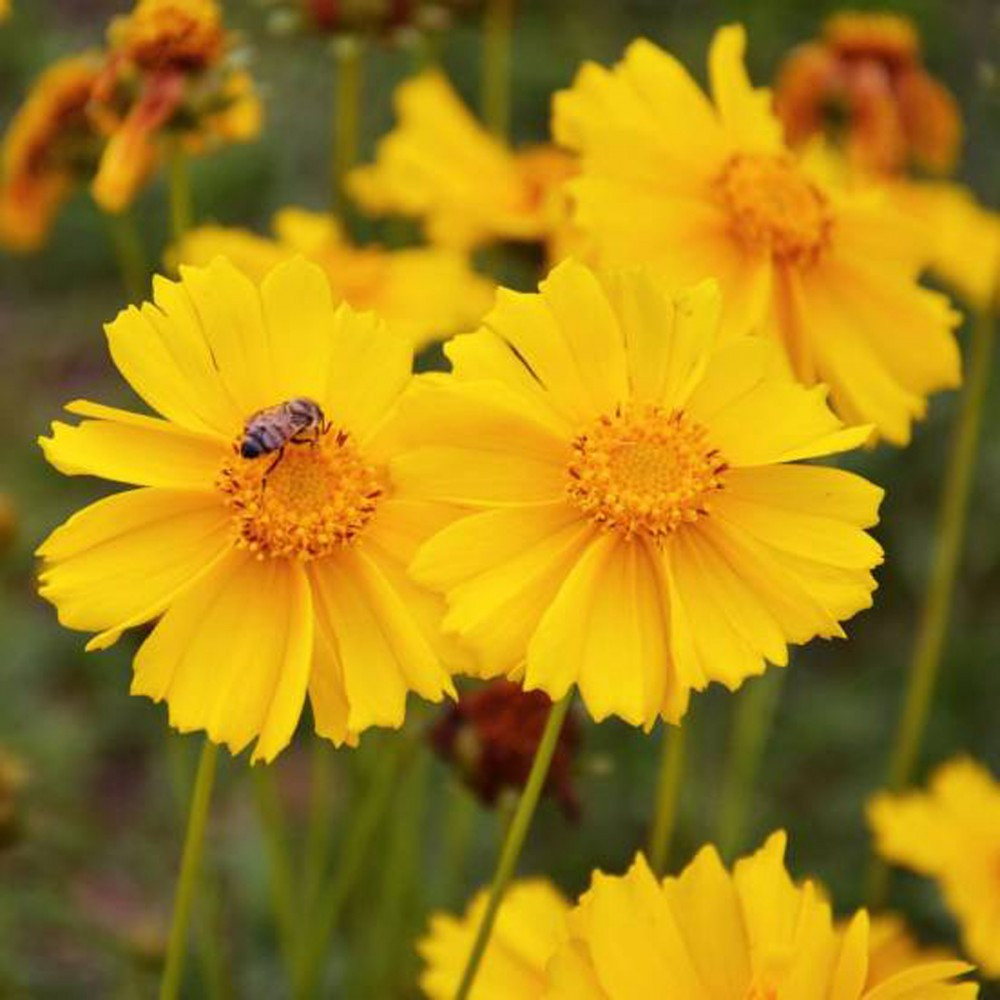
267 472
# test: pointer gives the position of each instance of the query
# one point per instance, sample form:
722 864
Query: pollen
645 471
317 497
774 208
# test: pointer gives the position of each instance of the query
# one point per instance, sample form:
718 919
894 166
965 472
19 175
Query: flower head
168 77
699 189
863 84
50 148
636 524
951 833
752 934
267 536
441 166
425 293
892 949
530 926
491 734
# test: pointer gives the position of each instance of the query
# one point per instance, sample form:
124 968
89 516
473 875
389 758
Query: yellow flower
951 833
50 147
698 189
637 526
442 166
169 67
270 576
711 935
423 293
530 926
4 9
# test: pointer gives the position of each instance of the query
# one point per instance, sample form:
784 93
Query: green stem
458 831
319 825
348 53
755 710
668 789
130 253
514 841
498 27
181 199
357 842
925 663
279 862
187 882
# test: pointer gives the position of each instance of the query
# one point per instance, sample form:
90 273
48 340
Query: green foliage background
87 886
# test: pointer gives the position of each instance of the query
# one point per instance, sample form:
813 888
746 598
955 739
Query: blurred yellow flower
530 926
750 935
637 527
424 293
440 165
50 148
169 67
4 9
698 189
864 86
270 575
951 833
892 949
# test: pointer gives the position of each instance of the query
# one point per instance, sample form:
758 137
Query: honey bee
268 431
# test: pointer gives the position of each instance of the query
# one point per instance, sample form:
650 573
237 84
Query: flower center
644 471
304 502
185 35
774 208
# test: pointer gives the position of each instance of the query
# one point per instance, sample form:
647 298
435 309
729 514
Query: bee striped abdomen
269 430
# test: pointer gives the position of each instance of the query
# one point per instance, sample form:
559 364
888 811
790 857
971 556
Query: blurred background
90 780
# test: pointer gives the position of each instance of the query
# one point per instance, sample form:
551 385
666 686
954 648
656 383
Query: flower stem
755 710
514 841
181 199
130 252
925 663
279 862
319 826
358 840
348 52
187 882
668 789
498 27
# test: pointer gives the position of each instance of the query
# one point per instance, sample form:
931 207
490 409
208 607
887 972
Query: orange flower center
174 34
774 208
305 502
644 471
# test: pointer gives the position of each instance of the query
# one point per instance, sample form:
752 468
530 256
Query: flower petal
232 654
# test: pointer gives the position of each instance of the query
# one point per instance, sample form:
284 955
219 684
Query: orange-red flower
864 84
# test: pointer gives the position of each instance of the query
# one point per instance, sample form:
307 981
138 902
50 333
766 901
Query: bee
268 431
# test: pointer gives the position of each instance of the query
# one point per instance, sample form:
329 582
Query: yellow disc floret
774 208
644 471
313 498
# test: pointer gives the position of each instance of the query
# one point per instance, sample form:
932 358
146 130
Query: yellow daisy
711 935
951 833
169 67
425 293
637 524
270 575
51 147
530 926
700 189
440 165
892 949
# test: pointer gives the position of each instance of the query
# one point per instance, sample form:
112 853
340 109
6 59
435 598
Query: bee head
250 448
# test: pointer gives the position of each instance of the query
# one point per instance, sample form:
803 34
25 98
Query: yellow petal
120 561
231 656
327 692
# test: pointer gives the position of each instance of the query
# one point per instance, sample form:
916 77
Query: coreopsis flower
169 78
266 537
709 933
491 734
530 926
441 166
425 293
951 833
864 85
698 189
50 149
637 525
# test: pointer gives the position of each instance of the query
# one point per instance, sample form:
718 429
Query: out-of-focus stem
130 253
348 56
181 198
498 31
668 787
